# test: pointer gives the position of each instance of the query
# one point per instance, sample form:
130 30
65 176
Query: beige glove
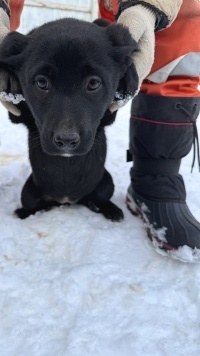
141 22
7 82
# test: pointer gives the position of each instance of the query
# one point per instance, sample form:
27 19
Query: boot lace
196 146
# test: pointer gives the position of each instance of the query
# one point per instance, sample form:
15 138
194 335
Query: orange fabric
108 9
16 7
182 37
174 86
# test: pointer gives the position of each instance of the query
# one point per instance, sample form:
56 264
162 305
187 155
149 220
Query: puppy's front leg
32 200
99 200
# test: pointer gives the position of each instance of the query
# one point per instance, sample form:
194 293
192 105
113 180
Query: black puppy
69 72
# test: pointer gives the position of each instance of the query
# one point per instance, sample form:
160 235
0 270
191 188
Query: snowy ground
74 284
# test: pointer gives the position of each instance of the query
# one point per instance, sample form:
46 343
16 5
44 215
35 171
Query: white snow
14 98
74 284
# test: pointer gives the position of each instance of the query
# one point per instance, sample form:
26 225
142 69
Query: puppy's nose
66 139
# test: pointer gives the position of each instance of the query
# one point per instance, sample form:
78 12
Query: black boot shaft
161 133
162 127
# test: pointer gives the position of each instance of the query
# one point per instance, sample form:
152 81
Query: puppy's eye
42 82
94 83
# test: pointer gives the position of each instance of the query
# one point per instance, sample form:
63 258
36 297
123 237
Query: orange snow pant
177 52
16 7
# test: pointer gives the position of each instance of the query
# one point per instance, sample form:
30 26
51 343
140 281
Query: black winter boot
162 130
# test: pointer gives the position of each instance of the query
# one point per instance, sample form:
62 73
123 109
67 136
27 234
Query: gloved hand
141 24
142 20
8 83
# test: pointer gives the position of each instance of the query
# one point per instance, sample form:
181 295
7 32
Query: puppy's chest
67 180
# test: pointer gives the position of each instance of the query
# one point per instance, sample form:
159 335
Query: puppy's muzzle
66 141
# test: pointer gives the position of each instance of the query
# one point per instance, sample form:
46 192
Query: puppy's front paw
23 213
107 209
112 212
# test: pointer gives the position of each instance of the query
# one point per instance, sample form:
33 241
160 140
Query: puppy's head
69 72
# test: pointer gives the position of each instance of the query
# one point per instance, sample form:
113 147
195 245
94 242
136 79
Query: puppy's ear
101 22
128 86
123 48
123 45
11 49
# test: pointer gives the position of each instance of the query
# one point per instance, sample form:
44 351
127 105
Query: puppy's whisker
98 144
35 142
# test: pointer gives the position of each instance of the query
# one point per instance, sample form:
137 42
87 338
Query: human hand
141 24
9 87
142 20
